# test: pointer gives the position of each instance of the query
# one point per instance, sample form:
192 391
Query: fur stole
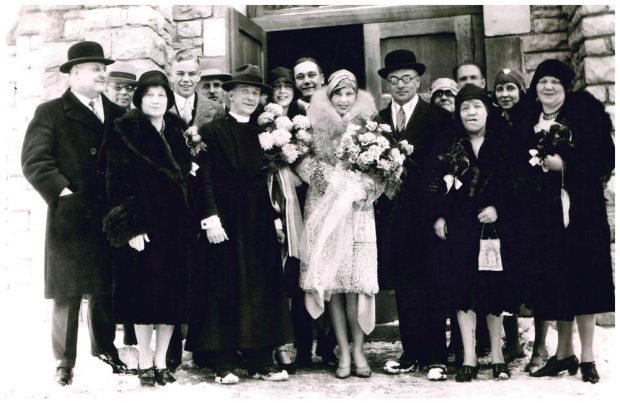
328 125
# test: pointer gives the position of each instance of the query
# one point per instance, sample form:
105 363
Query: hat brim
228 85
139 93
66 67
121 79
419 67
224 77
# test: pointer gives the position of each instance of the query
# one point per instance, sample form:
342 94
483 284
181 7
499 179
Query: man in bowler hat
61 160
403 231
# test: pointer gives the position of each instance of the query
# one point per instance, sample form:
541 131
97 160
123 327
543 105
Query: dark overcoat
403 229
147 192
62 148
572 271
484 184
238 296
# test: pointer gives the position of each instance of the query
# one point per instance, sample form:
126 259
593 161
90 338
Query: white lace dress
354 245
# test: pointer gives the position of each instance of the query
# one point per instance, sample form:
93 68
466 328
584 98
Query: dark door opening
339 47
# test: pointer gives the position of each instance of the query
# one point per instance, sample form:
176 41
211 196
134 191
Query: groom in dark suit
403 231
60 158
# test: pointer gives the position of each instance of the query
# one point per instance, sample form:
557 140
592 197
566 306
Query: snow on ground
28 368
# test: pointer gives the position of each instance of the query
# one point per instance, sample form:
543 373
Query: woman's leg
467 324
585 326
494 324
339 323
565 339
144 333
356 332
162 339
540 337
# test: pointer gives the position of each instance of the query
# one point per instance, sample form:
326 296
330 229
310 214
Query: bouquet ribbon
292 211
535 160
452 180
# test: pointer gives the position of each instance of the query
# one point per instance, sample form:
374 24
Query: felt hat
84 52
248 74
152 78
401 59
214 74
122 72
444 84
471 91
552 68
509 76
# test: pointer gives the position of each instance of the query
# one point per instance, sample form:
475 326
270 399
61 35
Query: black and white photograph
317 201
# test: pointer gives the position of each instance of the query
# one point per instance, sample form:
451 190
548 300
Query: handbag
489 257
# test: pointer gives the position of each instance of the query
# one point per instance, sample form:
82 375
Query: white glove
137 242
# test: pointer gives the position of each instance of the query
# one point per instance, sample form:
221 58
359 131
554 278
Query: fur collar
328 125
138 134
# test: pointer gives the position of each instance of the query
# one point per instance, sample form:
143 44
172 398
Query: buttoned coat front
62 149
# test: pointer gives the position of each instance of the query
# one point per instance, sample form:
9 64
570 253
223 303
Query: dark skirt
151 286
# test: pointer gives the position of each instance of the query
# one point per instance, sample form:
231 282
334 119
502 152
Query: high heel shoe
343 372
289 367
466 373
588 372
500 371
362 372
554 367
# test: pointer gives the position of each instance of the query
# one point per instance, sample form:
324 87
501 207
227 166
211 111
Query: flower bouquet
284 140
558 139
371 150
195 144
454 162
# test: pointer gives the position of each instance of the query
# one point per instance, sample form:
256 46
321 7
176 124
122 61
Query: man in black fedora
403 229
239 300
60 159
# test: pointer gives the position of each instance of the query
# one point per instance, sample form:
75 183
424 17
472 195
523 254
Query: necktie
400 119
186 113
92 107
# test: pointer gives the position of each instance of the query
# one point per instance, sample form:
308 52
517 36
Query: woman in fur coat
148 166
572 275
351 284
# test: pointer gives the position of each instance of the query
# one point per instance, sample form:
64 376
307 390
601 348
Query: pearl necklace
551 116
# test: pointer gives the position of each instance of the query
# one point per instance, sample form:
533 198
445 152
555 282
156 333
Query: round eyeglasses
127 87
406 79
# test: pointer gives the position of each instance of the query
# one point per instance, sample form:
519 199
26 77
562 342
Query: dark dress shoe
118 366
511 354
163 376
466 373
500 371
329 359
63 376
588 372
289 367
554 367
147 377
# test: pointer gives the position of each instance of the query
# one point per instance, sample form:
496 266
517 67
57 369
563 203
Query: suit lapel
227 141
77 111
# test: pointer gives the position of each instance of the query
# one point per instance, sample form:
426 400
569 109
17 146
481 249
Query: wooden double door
357 38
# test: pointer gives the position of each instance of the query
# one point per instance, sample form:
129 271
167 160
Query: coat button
93 151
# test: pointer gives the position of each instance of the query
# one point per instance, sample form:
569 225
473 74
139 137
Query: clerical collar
239 118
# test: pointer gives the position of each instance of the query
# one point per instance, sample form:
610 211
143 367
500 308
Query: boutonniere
194 141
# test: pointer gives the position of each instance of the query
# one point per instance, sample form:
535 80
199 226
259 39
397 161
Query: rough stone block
599 69
165 10
506 20
148 16
108 17
596 46
30 23
185 13
539 42
54 84
611 110
598 25
611 94
73 29
532 60
550 25
569 10
545 11
189 29
598 91
138 43
188 43
52 27
142 65
587 9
